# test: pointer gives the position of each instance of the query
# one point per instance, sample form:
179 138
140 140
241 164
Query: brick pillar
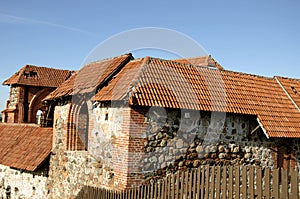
129 149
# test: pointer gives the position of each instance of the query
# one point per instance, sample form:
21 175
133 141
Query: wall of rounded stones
179 140
20 185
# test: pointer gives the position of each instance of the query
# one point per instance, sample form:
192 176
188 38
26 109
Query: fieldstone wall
21 185
185 139
71 170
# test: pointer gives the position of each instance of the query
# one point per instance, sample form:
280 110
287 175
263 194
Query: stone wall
181 139
129 145
71 170
22 184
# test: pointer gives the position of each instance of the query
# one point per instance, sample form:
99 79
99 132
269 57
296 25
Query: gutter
262 127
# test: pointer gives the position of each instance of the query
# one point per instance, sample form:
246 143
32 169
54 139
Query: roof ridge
109 58
46 67
204 56
289 78
249 74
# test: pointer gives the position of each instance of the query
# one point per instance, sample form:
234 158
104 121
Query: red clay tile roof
24 146
207 61
155 82
90 77
292 87
38 76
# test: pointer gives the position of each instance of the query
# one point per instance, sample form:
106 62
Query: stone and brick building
121 122
25 146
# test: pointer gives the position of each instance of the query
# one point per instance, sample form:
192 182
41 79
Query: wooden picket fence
211 183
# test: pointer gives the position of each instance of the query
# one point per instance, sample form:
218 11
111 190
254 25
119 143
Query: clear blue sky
260 37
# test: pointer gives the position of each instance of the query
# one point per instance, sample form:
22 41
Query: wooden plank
212 183
177 185
244 182
190 188
202 182
267 183
237 182
251 181
224 183
186 182
198 184
155 190
173 186
182 184
163 194
169 186
195 173
218 182
207 178
275 183
258 182
294 184
284 184
230 182
159 189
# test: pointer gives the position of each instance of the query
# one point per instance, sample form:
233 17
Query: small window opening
294 89
106 116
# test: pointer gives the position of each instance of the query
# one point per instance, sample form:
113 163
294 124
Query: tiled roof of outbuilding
38 76
88 78
156 82
24 146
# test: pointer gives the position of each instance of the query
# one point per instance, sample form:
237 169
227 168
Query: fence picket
251 182
224 183
284 184
206 190
182 184
244 183
237 182
218 182
258 182
212 183
230 183
275 183
267 183
202 181
194 183
294 184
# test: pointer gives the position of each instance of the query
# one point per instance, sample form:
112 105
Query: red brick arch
36 103
77 136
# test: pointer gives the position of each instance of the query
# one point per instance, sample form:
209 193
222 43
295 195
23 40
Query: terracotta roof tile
38 76
156 82
292 87
90 77
24 146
